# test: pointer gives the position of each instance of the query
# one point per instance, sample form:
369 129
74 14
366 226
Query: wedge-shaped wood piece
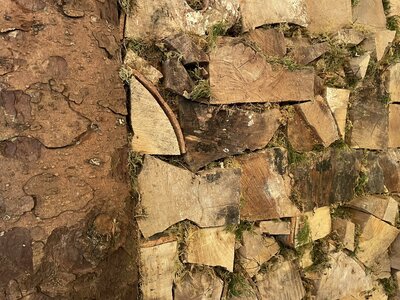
350 36
395 254
270 41
390 166
212 132
369 117
318 116
256 250
158 19
383 40
338 100
258 12
211 247
275 227
265 186
157 270
134 61
305 53
346 231
176 78
328 16
376 236
153 131
239 74
344 278
393 82
306 259
382 207
394 126
198 285
359 65
170 194
190 51
381 267
282 282
369 14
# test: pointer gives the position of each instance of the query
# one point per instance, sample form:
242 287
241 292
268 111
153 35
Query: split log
170 194
198 286
394 126
258 12
376 236
265 186
162 18
344 278
328 16
256 250
369 14
176 78
338 100
345 231
275 227
239 74
157 265
382 207
211 247
270 41
212 132
282 282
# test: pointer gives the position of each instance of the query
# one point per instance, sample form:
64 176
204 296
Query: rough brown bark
66 231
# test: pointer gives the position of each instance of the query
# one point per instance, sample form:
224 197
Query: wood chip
376 236
170 194
157 270
265 186
238 74
211 247
212 132
256 250
283 282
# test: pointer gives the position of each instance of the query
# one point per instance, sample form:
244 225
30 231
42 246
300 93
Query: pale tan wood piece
395 254
359 65
344 278
376 236
238 74
170 194
383 40
369 14
259 12
153 132
338 100
381 267
270 41
345 229
282 282
256 250
134 61
275 227
157 270
320 223
382 207
393 82
211 247
394 126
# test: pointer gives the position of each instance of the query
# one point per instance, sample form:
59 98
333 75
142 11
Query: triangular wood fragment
190 51
304 54
382 207
381 267
369 14
395 254
176 78
383 40
328 16
344 278
211 247
238 74
157 270
390 164
359 65
376 236
345 231
170 194
282 282
275 227
153 131
256 250
351 37
257 12
338 100
265 186
198 285
394 126
212 132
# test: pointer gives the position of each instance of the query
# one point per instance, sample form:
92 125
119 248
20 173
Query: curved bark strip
165 107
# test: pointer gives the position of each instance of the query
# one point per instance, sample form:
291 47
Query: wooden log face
213 133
